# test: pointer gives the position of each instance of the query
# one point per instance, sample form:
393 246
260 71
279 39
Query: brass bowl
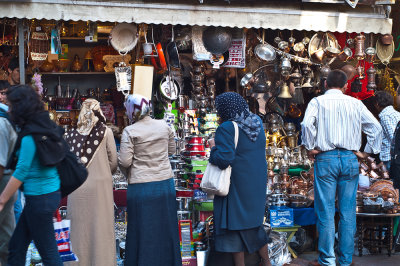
62 65
47 66
99 66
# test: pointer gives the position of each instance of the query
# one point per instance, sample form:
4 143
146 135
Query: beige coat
91 210
145 147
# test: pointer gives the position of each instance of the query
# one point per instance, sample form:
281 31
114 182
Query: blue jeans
336 172
36 223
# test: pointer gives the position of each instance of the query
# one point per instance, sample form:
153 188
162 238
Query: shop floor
367 260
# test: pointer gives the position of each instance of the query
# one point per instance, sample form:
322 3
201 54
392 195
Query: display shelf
81 39
77 73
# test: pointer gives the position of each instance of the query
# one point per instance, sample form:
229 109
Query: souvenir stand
277 61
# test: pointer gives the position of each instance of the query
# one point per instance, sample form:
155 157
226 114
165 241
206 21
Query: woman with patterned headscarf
91 206
152 234
238 217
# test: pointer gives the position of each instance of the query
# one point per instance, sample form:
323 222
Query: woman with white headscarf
152 234
91 206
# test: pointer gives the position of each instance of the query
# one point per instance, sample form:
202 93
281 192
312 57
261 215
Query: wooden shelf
81 39
75 73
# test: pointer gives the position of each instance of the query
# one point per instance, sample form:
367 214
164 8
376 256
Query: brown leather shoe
314 263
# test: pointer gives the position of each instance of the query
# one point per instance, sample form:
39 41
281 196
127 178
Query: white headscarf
89 116
137 107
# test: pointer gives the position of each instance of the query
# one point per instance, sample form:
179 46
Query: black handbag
72 173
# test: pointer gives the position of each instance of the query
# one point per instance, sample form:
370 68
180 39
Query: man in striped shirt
389 118
331 133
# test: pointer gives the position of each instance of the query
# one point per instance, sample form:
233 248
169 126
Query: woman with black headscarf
41 183
239 216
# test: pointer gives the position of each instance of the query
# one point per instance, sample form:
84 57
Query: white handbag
216 181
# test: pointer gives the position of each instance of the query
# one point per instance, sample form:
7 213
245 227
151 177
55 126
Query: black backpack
394 171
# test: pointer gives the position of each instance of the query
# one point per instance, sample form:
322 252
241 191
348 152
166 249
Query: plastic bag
62 229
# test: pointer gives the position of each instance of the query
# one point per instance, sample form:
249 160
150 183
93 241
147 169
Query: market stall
182 56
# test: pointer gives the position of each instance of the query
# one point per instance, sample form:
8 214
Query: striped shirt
389 118
335 120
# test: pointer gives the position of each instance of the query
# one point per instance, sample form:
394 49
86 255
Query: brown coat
91 210
145 147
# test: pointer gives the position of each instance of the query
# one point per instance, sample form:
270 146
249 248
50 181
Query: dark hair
336 79
24 102
4 85
13 64
383 99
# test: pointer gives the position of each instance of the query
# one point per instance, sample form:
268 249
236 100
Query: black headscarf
232 107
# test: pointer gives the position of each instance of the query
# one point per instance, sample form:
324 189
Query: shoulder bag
216 181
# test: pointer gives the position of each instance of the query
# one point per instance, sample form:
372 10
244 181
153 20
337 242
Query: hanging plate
169 89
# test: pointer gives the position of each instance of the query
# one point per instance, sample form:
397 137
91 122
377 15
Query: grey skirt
249 240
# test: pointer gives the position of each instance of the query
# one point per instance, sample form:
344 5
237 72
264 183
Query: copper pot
350 71
345 55
319 55
386 39
331 51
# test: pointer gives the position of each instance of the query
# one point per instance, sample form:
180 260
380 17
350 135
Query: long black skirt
152 233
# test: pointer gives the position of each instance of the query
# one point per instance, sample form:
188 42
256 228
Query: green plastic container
204 206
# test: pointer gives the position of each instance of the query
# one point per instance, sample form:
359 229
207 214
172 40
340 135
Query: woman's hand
211 142
1 206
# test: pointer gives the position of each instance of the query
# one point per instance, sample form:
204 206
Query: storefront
276 56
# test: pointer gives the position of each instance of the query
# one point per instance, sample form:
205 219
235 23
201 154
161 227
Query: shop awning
290 16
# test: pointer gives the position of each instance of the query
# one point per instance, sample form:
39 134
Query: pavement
224 259
366 260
